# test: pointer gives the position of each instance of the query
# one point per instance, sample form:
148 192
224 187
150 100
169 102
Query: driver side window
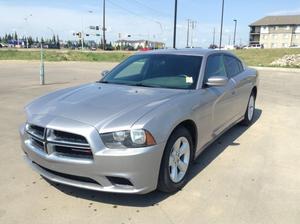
214 67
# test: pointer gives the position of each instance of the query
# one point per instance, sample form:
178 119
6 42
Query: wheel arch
191 126
254 90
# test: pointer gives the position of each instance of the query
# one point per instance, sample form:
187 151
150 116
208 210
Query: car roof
187 51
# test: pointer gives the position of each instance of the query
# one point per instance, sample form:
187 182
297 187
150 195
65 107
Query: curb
278 69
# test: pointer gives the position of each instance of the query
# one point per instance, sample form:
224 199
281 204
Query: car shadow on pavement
153 198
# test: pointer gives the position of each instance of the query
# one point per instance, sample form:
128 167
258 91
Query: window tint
157 70
233 66
132 69
214 67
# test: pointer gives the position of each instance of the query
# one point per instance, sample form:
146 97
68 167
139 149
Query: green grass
252 57
52 55
264 57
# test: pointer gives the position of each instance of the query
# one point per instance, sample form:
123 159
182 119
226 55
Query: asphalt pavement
249 175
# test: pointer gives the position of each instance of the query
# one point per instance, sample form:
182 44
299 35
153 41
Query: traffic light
97 27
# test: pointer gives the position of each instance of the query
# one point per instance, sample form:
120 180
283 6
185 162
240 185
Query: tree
30 40
57 42
15 36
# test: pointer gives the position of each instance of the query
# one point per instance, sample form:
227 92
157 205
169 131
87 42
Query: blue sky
140 18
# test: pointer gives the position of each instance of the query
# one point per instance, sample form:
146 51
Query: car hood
104 106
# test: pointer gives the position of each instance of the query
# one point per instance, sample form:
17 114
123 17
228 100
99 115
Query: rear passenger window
214 67
233 66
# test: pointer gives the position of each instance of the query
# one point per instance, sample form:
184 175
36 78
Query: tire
250 111
177 158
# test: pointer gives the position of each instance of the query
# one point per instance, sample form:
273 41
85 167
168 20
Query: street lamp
175 24
234 35
26 21
82 30
103 26
221 29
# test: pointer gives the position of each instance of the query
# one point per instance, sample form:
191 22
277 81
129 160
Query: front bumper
140 166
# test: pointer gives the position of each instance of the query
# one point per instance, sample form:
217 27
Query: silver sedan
140 127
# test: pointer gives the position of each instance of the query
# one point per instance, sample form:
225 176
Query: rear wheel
176 161
249 114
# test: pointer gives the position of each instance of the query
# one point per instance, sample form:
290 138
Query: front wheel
249 114
176 161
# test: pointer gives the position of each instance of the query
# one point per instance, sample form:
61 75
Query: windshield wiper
147 85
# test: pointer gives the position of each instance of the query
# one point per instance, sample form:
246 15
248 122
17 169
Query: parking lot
249 175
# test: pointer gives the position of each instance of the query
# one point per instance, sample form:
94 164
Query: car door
224 97
235 71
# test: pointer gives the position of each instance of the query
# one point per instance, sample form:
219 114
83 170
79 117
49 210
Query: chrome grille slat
70 144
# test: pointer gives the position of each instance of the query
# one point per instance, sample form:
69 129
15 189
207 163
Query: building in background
276 32
138 44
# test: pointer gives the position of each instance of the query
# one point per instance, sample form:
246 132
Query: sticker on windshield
188 79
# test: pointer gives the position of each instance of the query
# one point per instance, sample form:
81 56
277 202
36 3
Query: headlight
128 139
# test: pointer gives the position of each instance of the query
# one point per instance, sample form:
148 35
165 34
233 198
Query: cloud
285 12
64 21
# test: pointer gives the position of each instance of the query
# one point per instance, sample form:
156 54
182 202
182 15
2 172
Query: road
250 175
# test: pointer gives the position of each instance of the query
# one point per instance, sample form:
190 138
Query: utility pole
103 26
234 35
221 29
188 33
214 36
175 24
42 67
192 32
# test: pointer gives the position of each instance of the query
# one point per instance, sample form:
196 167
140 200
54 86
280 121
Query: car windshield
157 70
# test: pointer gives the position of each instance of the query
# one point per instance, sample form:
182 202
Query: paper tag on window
188 79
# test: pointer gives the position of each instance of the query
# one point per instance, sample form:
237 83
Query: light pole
234 35
214 36
188 33
82 30
26 21
175 24
103 26
42 67
221 28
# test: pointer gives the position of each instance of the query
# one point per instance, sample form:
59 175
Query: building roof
278 20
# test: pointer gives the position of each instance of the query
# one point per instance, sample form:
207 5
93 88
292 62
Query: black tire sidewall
165 183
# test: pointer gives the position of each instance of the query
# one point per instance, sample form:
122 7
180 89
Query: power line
152 9
130 12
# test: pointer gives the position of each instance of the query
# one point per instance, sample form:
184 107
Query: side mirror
217 81
104 73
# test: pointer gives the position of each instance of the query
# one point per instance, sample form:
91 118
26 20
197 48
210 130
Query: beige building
276 32
136 44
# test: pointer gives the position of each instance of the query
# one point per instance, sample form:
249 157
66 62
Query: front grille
69 176
35 131
69 137
37 143
73 151
60 142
